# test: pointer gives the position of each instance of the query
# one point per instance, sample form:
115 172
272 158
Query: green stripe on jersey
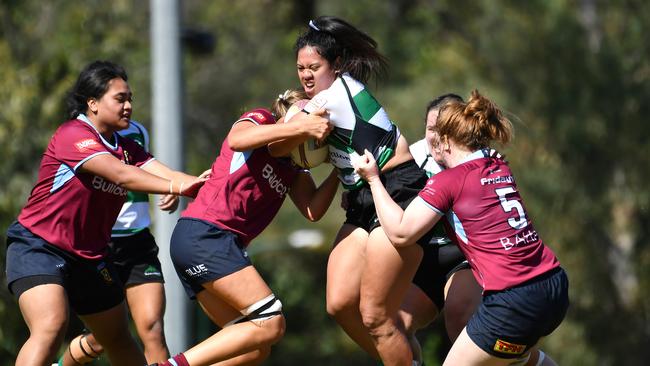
137 137
126 232
367 104
350 172
384 157
337 143
137 197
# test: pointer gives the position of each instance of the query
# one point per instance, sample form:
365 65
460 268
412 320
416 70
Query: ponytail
474 124
285 100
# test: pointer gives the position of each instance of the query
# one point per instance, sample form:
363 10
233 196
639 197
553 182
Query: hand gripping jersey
246 188
360 122
70 209
134 215
493 229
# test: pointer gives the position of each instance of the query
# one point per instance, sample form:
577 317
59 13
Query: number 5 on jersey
509 205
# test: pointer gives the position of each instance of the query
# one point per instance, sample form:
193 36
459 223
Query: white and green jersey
422 156
134 215
360 122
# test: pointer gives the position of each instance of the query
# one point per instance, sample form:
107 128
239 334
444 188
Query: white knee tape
264 309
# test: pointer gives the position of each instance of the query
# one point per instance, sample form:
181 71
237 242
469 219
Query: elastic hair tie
285 96
312 25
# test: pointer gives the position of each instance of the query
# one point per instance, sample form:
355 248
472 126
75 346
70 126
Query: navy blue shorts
92 285
136 258
202 252
509 322
438 263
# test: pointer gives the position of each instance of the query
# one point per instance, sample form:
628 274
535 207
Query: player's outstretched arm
246 135
139 180
403 227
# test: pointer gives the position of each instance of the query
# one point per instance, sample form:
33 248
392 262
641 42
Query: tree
573 76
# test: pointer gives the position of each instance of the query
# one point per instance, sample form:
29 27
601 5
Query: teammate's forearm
252 137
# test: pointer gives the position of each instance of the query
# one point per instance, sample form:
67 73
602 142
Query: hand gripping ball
310 153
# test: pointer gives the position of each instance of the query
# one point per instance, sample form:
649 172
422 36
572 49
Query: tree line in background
573 75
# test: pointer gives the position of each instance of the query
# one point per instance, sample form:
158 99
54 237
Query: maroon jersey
482 204
246 188
72 210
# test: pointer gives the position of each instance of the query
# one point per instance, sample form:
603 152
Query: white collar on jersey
478 154
84 118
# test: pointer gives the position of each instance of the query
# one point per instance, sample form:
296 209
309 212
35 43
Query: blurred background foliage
573 75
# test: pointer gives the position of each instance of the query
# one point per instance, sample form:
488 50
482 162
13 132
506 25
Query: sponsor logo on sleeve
509 348
85 144
428 189
257 116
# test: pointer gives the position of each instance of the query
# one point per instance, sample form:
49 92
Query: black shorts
136 258
92 285
403 183
509 322
203 252
438 263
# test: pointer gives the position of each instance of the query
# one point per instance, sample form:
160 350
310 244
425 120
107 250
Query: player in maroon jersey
56 250
208 247
525 291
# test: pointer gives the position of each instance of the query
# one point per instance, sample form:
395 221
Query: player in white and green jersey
360 122
334 61
134 216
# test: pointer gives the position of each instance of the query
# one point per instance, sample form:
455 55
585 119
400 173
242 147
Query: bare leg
221 314
46 328
147 307
344 269
238 290
83 349
386 278
462 298
147 304
110 328
417 312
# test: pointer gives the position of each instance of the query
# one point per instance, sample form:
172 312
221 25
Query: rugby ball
310 153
